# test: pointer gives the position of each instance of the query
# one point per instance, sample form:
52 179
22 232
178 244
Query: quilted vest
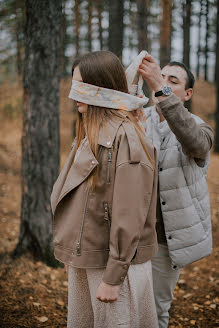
184 197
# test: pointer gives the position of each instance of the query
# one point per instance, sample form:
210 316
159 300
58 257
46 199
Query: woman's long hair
103 69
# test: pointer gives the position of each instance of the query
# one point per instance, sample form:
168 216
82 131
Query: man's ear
189 93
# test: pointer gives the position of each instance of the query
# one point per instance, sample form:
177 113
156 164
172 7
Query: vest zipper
78 248
106 215
109 165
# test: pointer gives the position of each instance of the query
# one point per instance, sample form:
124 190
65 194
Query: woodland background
38 42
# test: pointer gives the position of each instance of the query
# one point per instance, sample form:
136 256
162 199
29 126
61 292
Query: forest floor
35 295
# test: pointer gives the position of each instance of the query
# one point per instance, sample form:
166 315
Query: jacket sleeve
133 186
196 139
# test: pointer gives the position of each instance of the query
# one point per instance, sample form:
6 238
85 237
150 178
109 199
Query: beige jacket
114 226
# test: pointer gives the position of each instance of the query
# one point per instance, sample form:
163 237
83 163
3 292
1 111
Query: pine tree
40 139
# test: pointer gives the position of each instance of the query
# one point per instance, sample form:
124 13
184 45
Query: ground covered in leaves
35 295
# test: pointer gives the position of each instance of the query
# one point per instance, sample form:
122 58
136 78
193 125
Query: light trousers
135 307
164 282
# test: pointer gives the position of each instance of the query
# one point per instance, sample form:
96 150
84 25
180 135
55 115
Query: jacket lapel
73 174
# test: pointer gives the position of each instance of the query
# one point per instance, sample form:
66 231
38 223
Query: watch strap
158 93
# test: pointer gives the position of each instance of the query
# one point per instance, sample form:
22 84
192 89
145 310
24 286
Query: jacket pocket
106 215
109 162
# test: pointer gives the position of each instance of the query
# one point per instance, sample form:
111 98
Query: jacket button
125 266
163 203
122 278
161 169
174 267
170 237
93 162
108 143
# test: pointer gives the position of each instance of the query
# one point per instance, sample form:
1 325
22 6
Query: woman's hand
107 293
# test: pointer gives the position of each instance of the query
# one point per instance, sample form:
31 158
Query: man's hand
151 73
107 293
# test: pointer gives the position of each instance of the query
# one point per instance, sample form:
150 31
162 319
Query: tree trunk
77 26
40 139
186 40
186 31
63 38
116 12
199 40
19 31
216 146
99 13
142 22
165 32
206 39
89 23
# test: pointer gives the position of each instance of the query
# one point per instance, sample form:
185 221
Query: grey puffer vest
184 195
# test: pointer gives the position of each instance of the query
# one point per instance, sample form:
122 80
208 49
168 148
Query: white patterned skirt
135 307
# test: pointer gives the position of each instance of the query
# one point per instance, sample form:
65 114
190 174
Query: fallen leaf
187 295
192 322
42 319
52 276
36 304
60 302
213 306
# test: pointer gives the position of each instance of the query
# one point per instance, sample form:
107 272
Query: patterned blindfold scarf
109 98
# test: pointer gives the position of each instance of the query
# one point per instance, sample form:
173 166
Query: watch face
167 91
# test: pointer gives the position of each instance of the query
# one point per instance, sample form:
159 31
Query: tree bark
186 40
142 22
40 139
77 26
216 146
165 32
116 13
99 13
19 31
89 23
199 40
206 39
186 31
64 41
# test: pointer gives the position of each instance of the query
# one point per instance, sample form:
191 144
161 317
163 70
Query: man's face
176 77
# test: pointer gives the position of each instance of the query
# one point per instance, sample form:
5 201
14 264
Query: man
183 142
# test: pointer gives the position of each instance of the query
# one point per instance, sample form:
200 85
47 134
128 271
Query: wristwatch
165 91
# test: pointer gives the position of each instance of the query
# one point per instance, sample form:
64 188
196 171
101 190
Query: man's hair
190 81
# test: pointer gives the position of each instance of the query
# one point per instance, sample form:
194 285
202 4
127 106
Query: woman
104 203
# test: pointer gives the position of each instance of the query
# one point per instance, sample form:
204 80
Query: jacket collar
108 132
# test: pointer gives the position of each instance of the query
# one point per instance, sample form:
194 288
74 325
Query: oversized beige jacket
114 226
